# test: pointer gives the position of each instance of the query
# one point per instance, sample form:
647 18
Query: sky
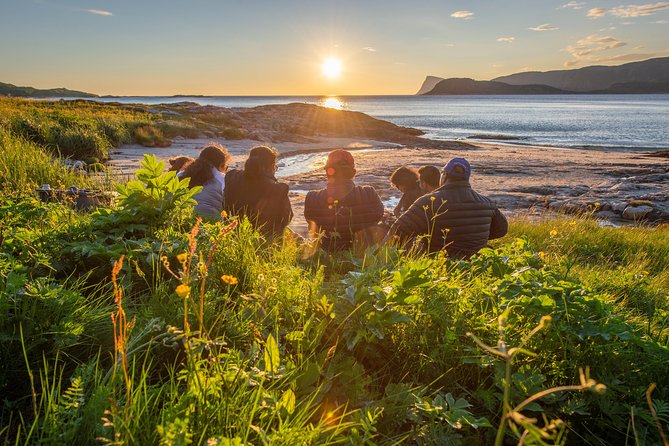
277 47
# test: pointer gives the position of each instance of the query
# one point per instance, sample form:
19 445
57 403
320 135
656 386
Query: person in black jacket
406 180
342 209
454 217
256 194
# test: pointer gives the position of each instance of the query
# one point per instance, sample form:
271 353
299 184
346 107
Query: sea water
613 122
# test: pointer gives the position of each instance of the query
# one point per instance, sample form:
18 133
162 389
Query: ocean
610 122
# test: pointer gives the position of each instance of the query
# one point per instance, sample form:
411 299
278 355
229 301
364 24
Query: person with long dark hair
255 193
208 171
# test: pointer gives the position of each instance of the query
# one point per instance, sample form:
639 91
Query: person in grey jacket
208 171
454 217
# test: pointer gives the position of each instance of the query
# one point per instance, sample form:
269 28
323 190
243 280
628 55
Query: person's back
453 217
207 171
342 209
256 194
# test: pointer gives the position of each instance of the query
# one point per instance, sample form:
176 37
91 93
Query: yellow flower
597 204
432 198
230 280
224 214
554 233
542 255
182 290
572 223
182 258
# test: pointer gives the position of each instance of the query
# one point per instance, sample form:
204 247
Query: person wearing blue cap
454 217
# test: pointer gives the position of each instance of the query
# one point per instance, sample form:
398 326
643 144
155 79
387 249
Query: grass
137 324
80 129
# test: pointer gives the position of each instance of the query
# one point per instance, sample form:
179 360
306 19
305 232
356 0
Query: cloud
589 49
99 12
630 10
573 5
371 49
544 27
661 22
506 39
596 13
639 10
462 15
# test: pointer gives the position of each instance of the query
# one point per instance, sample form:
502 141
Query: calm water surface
604 121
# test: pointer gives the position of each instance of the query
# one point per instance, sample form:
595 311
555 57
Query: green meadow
138 324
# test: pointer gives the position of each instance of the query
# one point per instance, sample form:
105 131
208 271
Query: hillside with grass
138 324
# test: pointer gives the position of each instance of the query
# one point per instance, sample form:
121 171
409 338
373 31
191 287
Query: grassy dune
139 325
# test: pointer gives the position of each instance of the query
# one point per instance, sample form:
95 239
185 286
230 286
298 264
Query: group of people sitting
438 209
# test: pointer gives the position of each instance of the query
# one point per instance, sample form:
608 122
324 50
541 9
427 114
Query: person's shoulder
366 190
316 194
279 188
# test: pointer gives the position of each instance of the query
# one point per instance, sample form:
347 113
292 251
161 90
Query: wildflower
597 204
542 255
230 280
554 233
224 214
182 290
572 223
182 257
432 198
336 202
271 290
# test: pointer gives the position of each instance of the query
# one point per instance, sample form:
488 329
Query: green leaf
272 355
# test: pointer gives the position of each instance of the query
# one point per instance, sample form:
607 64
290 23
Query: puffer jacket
340 220
453 217
210 199
264 201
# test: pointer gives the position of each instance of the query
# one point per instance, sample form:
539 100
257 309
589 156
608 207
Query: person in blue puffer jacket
208 171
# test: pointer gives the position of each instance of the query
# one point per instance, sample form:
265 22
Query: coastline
522 180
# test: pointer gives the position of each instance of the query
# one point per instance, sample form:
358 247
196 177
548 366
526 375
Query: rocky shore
616 185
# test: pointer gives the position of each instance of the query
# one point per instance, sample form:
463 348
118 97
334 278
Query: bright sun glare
332 102
331 67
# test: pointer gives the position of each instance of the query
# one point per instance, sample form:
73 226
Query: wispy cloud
544 27
98 12
630 10
371 49
463 15
590 49
573 5
661 22
639 10
596 13
506 39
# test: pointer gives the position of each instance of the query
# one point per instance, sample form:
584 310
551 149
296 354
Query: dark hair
430 175
404 176
261 159
211 157
179 163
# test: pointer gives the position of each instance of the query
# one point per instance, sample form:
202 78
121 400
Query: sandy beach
522 179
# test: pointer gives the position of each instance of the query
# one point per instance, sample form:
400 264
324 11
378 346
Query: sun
331 67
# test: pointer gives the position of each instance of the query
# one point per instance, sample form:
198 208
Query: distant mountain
30 92
595 77
637 88
455 86
428 84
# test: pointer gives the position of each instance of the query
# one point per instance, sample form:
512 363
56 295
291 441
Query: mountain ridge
649 76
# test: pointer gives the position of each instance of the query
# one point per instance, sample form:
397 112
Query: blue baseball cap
458 168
